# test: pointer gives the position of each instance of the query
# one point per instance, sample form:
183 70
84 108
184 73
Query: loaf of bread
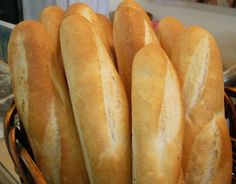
207 152
86 12
167 31
132 30
157 118
51 18
82 9
43 104
99 103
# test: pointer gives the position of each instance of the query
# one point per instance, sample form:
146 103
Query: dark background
11 11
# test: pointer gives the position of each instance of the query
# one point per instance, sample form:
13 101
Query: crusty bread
108 29
85 11
99 103
157 118
131 30
51 18
207 149
82 9
167 31
43 104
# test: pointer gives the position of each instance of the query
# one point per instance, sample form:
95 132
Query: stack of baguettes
79 111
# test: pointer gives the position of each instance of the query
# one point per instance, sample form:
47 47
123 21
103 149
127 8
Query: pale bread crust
207 147
43 104
99 103
157 118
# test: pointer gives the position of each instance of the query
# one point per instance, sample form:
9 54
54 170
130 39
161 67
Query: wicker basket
19 149
22 155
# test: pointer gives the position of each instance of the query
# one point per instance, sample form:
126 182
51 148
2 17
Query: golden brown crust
99 103
167 31
107 26
81 9
51 18
130 4
131 30
157 118
85 11
198 63
108 30
43 104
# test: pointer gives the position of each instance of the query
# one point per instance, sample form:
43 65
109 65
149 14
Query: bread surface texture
107 27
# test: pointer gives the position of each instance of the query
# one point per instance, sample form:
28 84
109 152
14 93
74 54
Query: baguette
85 11
51 18
132 30
207 148
43 104
99 103
157 118
167 31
